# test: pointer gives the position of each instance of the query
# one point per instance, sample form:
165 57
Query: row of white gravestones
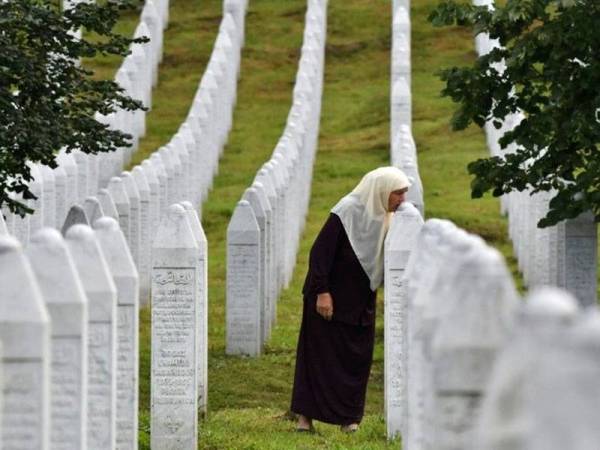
449 305
543 392
182 170
469 366
564 255
69 331
179 329
264 231
403 151
79 175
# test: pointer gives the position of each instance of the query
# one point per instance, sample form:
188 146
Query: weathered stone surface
121 199
471 321
400 241
69 164
102 331
145 248
49 193
108 204
243 283
542 322
135 216
93 209
174 396
66 302
61 187
75 216
25 337
163 181
202 304
252 197
125 276
155 196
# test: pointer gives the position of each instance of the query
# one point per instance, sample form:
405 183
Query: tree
551 53
47 100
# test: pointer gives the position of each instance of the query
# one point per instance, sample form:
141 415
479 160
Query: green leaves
548 69
47 101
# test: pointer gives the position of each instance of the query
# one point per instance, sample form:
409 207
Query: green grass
249 398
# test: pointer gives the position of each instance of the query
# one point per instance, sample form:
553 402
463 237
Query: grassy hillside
249 398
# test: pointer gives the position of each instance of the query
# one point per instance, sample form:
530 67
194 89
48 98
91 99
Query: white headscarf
365 217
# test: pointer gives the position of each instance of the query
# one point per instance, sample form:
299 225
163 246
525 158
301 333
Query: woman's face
396 198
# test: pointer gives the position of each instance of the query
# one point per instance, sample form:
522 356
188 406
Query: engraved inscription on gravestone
173 337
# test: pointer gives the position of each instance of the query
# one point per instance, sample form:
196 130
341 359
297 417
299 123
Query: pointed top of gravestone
108 205
114 247
89 259
174 230
550 303
404 228
262 195
195 223
20 297
243 227
150 172
264 177
116 187
76 215
93 209
253 197
139 176
142 30
158 165
129 184
54 268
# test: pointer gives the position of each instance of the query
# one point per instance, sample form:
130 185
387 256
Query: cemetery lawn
249 398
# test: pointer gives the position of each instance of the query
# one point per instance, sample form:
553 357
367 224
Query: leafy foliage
47 100
551 53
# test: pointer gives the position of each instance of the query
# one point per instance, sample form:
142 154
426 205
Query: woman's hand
325 305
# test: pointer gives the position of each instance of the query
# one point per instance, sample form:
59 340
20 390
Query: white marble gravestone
474 317
174 377
401 238
145 241
202 294
82 174
49 194
125 276
60 193
541 323
69 164
163 181
562 404
102 335
76 215
243 283
93 209
25 337
108 204
67 305
581 258
135 215
119 196
153 180
252 196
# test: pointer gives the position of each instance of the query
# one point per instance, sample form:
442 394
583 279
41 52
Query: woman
335 346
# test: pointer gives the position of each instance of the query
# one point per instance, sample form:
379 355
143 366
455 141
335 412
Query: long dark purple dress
334 357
